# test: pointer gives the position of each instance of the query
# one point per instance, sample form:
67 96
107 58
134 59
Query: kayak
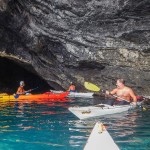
98 110
100 139
35 96
76 94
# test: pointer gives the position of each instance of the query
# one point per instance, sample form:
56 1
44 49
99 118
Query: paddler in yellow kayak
20 90
124 95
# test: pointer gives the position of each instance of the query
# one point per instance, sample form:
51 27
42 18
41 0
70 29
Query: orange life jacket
20 90
72 87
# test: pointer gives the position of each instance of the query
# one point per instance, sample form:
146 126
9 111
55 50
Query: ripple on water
50 126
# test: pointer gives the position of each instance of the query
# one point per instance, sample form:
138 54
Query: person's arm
133 96
18 91
74 87
68 89
114 91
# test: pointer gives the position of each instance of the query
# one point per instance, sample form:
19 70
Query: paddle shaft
28 90
116 96
17 95
119 97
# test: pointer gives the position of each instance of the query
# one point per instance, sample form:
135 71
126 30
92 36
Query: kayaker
123 93
72 88
21 90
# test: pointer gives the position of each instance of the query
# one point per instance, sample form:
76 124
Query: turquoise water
50 126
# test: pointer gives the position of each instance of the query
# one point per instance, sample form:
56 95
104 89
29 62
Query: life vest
20 90
72 88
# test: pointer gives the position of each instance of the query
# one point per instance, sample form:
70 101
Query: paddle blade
91 86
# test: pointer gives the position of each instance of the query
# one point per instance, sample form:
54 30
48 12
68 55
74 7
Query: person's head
71 83
22 83
120 83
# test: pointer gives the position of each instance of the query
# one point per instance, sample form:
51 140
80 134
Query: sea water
50 126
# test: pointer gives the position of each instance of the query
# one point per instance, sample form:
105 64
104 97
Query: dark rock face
12 73
79 40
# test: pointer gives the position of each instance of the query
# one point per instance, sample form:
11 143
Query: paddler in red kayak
72 88
125 95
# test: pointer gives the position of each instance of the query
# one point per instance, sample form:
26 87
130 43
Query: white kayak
98 110
79 94
76 94
100 139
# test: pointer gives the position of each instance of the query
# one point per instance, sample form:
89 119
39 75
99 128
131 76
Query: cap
21 83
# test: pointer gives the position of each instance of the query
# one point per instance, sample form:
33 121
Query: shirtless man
123 92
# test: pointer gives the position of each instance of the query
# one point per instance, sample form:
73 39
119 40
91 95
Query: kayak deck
98 110
79 94
76 94
100 139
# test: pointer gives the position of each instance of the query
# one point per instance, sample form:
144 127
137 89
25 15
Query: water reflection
22 114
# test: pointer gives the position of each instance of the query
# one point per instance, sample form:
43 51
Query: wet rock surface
79 40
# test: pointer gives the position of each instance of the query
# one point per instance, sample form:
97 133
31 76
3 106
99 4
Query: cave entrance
11 73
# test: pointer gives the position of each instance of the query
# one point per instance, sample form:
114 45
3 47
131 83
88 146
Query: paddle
93 87
17 95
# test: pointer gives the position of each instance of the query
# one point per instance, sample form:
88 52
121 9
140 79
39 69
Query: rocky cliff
79 40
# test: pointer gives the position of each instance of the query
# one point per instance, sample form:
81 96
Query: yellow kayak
44 96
